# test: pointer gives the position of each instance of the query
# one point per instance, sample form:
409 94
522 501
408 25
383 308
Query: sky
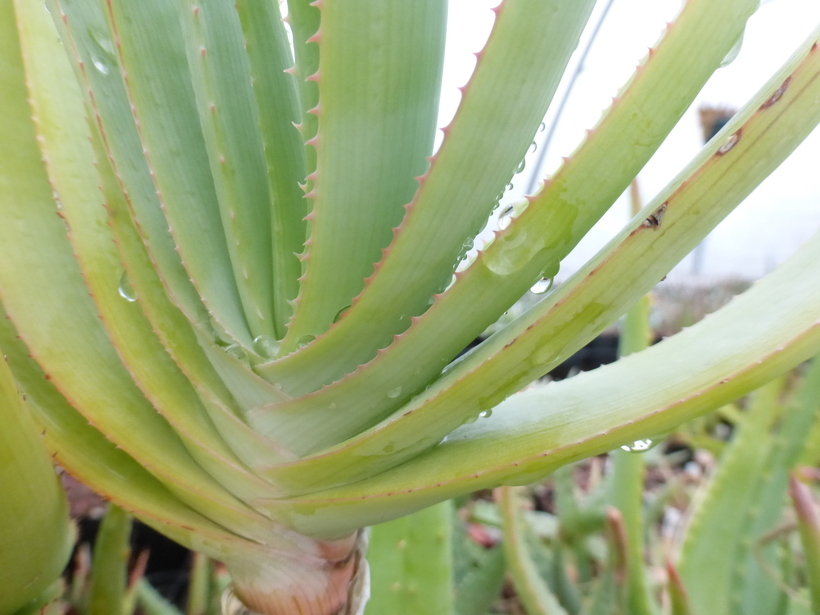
765 229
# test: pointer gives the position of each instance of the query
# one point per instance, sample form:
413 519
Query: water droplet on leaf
125 289
733 52
340 313
265 346
505 217
638 446
394 393
99 65
305 340
541 286
236 351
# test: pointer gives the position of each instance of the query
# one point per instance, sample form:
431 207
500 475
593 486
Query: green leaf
717 542
664 86
64 141
713 184
35 532
410 564
531 589
151 53
501 107
278 109
109 572
222 84
808 522
481 585
83 27
761 334
376 126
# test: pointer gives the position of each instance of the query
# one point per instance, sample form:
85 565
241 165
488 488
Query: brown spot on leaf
730 143
654 220
777 94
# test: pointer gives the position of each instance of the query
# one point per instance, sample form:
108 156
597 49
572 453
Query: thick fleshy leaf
763 333
376 126
222 86
35 534
65 143
410 564
90 375
500 112
663 86
754 143
278 109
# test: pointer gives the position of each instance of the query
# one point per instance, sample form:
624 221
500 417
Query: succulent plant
242 323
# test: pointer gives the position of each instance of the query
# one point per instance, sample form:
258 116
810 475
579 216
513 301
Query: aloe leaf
304 19
277 105
65 145
92 373
93 459
531 589
374 122
84 29
150 50
141 283
712 547
501 107
771 125
808 523
758 593
152 602
221 80
678 596
410 564
666 86
763 333
35 532
480 587
109 572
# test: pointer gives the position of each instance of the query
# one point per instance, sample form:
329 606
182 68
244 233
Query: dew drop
340 313
733 52
305 340
533 147
236 351
505 217
394 393
542 127
638 446
510 186
519 168
471 419
125 289
265 346
485 414
542 286
100 65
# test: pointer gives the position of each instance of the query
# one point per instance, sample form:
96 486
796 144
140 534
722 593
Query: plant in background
233 270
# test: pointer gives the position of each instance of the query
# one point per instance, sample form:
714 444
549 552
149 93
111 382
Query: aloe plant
241 323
